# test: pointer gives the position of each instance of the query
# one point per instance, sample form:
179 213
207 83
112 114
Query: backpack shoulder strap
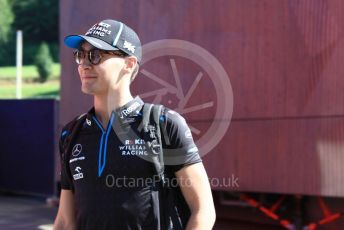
151 125
174 211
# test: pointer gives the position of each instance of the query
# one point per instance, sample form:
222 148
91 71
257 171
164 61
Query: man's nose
85 63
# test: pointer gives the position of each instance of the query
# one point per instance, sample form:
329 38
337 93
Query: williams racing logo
101 29
135 147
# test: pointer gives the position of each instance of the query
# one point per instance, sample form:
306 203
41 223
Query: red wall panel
284 62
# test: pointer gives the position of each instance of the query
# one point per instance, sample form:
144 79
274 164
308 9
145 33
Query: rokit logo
135 147
79 174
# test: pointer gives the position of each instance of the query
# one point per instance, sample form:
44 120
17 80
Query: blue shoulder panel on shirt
64 133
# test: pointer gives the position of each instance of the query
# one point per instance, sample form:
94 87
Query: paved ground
32 213
25 212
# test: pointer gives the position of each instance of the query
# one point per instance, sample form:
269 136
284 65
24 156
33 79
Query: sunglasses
94 56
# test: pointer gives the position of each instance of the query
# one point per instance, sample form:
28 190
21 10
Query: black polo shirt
110 176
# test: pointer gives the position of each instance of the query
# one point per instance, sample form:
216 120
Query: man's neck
105 104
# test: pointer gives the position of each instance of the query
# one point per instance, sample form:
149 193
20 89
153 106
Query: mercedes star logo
76 150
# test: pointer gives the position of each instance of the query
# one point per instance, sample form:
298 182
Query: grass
49 89
29 72
30 87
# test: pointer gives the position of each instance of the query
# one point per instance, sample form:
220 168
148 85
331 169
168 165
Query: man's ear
130 63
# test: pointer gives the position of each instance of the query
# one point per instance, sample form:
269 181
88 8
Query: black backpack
174 211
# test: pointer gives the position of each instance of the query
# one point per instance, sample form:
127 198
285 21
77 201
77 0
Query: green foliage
38 19
8 51
54 50
32 48
49 89
44 62
8 73
6 19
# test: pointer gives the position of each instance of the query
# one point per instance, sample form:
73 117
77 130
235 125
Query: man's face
99 79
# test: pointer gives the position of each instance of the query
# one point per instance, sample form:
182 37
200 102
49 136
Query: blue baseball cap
109 35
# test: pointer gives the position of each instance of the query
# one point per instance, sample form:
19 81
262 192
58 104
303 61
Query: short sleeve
178 144
65 177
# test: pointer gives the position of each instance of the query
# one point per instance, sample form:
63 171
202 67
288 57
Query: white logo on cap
129 46
104 24
100 30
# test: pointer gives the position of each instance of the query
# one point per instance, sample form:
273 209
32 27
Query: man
95 192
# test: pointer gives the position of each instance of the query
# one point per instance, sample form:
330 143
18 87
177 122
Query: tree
6 19
44 62
38 19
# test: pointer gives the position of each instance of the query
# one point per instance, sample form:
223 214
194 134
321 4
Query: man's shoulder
72 122
173 117
67 128
169 115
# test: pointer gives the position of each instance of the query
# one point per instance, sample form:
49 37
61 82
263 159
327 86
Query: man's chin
87 91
